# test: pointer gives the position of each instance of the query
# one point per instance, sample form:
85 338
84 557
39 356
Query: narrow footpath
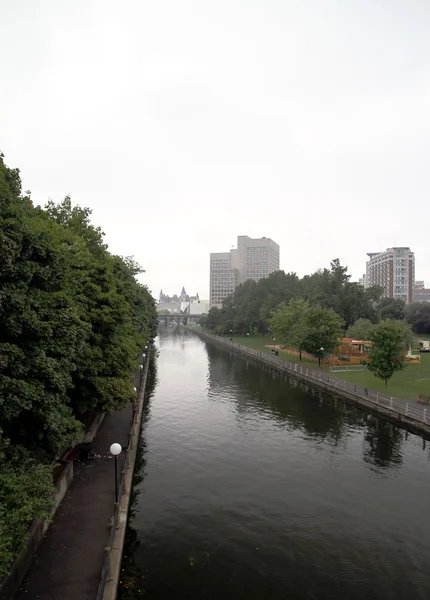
69 561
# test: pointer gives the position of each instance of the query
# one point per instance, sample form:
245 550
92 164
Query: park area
409 383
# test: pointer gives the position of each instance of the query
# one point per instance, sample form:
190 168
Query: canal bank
411 415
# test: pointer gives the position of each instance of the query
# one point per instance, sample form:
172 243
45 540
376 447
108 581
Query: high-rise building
252 259
394 271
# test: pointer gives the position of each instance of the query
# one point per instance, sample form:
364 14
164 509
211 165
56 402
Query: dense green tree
331 288
288 324
418 315
391 308
322 328
115 308
360 330
25 494
388 350
74 319
307 328
42 331
252 305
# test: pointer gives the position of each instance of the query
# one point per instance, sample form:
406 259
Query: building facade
252 259
421 293
173 303
394 271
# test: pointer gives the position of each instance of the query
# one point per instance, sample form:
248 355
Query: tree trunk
300 355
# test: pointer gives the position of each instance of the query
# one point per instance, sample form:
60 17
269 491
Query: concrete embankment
411 415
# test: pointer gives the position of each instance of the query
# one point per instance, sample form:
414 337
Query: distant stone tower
183 296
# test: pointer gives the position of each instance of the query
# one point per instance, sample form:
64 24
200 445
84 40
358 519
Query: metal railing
366 396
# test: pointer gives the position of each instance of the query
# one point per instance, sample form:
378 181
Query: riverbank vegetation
309 315
73 319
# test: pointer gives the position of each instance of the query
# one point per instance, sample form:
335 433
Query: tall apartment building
252 259
394 271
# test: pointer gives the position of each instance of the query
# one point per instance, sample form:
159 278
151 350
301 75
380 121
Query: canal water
248 487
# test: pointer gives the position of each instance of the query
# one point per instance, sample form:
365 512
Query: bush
25 494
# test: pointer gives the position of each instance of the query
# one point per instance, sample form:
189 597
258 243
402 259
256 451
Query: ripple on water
255 489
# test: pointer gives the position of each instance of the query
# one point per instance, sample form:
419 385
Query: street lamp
274 340
115 449
320 356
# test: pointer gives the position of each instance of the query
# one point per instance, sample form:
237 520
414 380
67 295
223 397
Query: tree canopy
360 330
388 350
74 318
251 306
418 315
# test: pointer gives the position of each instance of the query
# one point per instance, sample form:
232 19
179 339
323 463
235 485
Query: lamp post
274 340
320 355
115 449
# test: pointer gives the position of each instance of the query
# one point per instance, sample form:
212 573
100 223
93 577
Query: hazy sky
184 124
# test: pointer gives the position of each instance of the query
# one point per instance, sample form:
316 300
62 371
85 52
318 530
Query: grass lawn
409 383
259 342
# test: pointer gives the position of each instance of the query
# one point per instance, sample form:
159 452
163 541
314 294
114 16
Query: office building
252 259
394 271
421 293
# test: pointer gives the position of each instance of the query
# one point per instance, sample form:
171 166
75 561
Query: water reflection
255 487
382 445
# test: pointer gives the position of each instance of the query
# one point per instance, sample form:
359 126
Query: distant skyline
185 124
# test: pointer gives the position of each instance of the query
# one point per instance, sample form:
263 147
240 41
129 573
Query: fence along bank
409 415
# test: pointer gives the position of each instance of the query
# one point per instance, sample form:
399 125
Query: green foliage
417 314
306 328
253 303
391 308
322 328
288 323
74 319
387 354
25 494
360 330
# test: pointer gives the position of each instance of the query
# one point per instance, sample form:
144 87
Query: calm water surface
248 487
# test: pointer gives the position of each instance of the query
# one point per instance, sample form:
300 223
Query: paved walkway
69 562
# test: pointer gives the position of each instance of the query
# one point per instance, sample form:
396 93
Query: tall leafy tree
360 330
288 324
388 351
322 328
392 308
73 320
417 314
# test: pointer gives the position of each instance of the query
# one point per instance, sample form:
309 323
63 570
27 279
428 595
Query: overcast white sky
183 124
